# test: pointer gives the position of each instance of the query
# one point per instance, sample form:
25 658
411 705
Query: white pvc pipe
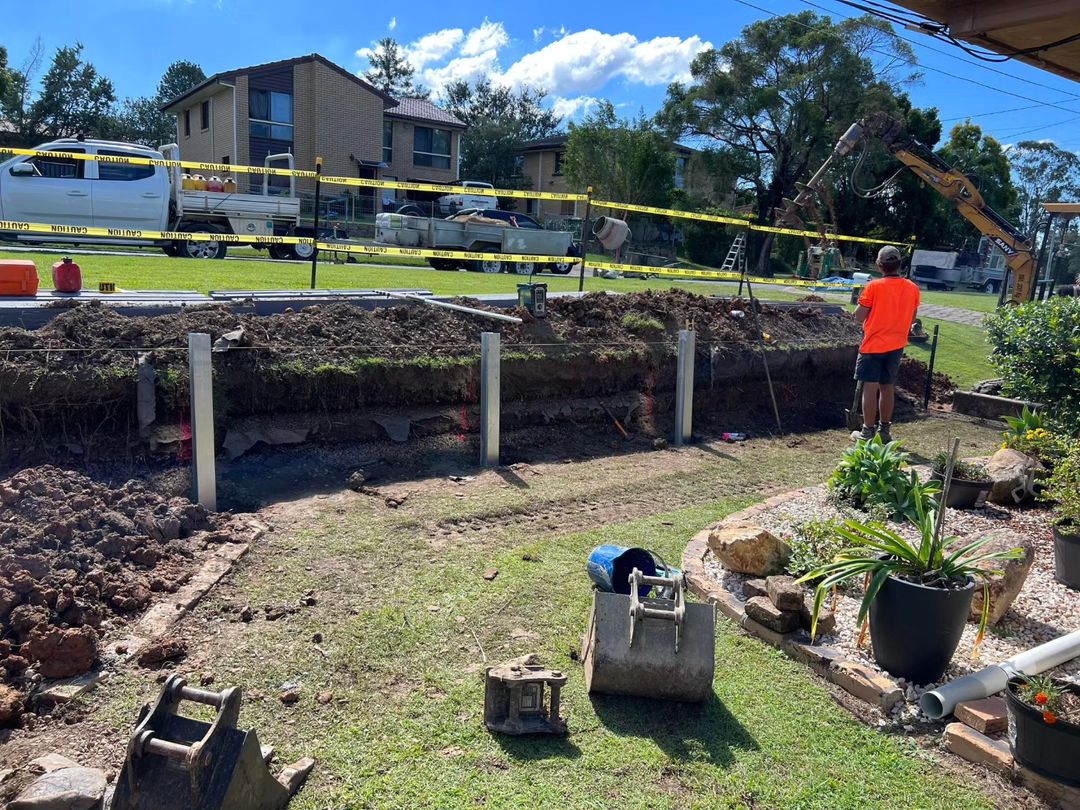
483 313
940 702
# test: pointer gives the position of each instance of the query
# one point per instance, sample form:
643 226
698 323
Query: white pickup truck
473 194
127 199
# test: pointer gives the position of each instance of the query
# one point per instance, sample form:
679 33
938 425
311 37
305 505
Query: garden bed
1044 609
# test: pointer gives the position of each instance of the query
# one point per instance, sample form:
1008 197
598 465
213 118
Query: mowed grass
151 272
962 352
406 625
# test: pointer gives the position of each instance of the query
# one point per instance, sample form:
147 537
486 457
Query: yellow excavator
948 182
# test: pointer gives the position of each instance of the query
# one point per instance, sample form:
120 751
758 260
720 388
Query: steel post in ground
584 238
684 387
315 230
201 382
490 384
930 369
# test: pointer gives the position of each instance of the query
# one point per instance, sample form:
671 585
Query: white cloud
392 24
570 107
585 61
490 36
467 68
538 33
433 47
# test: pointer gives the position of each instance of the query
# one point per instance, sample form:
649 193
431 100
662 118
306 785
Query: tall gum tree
779 96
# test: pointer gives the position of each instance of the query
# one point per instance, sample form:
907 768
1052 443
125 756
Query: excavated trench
94 383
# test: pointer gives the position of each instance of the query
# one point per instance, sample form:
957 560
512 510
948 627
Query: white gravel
1044 610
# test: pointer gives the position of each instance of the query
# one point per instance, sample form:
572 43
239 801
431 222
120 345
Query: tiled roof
552 142
421 109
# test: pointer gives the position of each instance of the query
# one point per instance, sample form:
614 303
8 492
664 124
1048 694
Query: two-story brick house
310 107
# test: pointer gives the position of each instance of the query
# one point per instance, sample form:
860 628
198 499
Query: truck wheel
524 268
303 252
202 250
561 268
990 286
443 264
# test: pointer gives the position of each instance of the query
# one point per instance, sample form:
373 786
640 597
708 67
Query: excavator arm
945 180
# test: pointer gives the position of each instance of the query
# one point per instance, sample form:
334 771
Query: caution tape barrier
712 275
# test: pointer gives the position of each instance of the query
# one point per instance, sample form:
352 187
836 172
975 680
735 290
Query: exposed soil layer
79 558
75 380
913 379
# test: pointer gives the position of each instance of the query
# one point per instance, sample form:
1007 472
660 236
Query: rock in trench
65 789
749 550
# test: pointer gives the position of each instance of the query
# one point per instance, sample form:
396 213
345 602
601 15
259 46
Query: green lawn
153 273
962 352
977 301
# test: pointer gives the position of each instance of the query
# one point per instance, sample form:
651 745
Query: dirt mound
813 299
913 379
77 555
341 331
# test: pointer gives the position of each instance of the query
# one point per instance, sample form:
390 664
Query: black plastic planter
915 629
964 494
1067 554
1050 750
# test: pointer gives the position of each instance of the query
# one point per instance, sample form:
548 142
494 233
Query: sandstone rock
25 618
290 696
11 704
62 653
784 593
50 763
754 587
764 612
161 649
749 550
1004 587
65 789
826 620
1012 474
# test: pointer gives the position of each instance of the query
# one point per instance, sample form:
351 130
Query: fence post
315 233
684 388
490 376
203 469
585 239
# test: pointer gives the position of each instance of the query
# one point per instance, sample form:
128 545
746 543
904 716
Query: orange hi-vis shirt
893 302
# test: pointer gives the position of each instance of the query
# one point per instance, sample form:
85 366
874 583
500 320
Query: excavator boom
945 180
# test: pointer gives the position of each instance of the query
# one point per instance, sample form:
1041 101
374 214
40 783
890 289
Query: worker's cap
890 254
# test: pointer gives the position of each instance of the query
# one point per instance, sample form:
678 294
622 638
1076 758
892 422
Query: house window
388 142
122 171
431 147
270 115
558 163
519 165
204 115
187 123
680 172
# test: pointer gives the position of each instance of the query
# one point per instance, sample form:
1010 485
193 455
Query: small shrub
1036 350
1063 487
873 473
1029 433
641 324
813 544
964 470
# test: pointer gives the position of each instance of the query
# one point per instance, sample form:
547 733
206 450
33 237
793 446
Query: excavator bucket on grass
177 763
658 648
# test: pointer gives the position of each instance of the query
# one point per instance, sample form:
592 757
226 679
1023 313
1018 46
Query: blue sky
626 51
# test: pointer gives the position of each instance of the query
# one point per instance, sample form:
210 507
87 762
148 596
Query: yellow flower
1004 445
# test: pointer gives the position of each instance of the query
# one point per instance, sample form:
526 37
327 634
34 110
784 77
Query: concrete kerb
827 661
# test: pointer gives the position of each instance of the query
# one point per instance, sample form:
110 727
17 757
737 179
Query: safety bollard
203 467
684 388
490 381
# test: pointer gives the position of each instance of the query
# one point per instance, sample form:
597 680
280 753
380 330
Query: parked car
473 194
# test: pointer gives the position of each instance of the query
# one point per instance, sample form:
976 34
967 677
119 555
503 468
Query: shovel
852 415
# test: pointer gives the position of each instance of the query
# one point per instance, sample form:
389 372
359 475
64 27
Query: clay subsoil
342 331
80 561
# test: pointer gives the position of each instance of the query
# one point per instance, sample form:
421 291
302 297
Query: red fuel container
18 277
66 276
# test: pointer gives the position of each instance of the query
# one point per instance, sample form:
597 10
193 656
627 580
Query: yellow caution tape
669 212
148 235
711 275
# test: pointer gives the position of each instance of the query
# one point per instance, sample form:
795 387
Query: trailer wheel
302 251
202 250
489 265
525 268
279 252
443 264
561 268
990 286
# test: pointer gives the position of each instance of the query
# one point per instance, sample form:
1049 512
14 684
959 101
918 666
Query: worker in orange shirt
887 308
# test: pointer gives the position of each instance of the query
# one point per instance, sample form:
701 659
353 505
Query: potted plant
1063 486
917 595
970 483
1044 726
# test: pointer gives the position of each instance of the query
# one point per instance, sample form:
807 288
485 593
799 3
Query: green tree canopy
500 120
390 71
141 120
74 98
1042 172
784 91
628 161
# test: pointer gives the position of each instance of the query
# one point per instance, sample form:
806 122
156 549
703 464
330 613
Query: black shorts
879 368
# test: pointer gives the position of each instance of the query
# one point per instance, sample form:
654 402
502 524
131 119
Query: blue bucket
610 566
